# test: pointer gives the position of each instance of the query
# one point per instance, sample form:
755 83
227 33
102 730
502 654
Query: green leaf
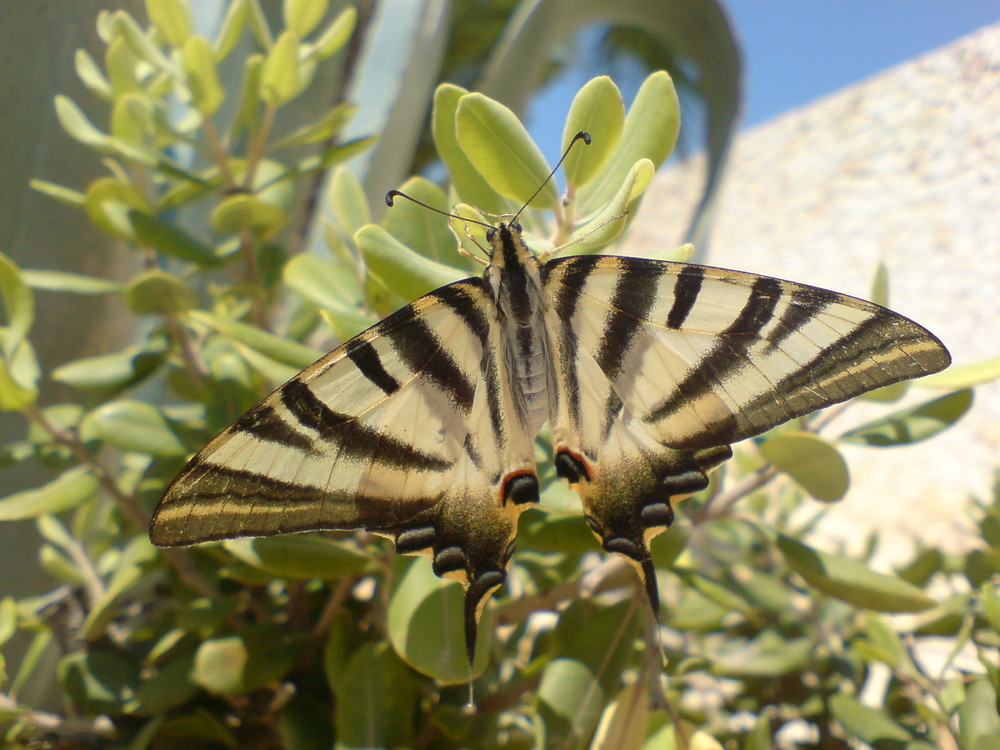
811 461
130 570
542 531
282 350
420 229
990 597
109 202
230 30
302 16
112 371
258 24
170 240
77 126
597 109
133 426
348 203
159 293
623 723
92 76
207 93
324 283
8 618
299 556
19 374
220 663
247 212
18 303
612 219
914 424
851 581
33 656
336 35
376 707
403 271
499 147
964 376
571 699
99 679
650 132
139 45
426 625
471 186
70 490
60 193
979 724
280 80
767 655
172 18
327 126
870 725
74 283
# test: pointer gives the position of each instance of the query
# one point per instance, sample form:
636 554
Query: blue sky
798 50
795 51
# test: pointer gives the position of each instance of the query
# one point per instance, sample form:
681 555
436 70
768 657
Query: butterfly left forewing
403 431
660 366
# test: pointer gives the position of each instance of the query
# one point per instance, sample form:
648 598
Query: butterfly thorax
515 279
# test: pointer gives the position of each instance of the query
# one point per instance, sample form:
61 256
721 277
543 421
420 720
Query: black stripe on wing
573 274
352 437
208 502
729 354
367 360
419 346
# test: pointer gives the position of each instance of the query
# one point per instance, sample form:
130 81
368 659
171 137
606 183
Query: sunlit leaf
597 109
336 35
964 376
172 18
851 581
379 697
426 625
300 556
159 293
70 490
280 349
207 93
302 16
134 426
405 272
809 460
499 147
914 424
869 724
280 80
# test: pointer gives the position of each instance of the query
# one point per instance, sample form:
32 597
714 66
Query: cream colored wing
660 366
403 431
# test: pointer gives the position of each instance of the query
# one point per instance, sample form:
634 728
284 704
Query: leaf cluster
313 641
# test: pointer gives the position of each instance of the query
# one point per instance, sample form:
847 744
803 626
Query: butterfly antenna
581 136
392 194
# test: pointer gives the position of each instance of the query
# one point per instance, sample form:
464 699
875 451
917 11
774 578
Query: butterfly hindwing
660 366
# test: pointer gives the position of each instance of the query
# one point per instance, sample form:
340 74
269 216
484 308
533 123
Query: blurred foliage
318 641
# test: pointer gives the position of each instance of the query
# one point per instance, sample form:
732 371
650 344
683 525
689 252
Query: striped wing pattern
403 431
662 365
422 427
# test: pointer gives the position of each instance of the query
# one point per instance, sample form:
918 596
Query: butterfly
422 428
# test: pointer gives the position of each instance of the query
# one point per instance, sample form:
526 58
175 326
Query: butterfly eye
515 226
491 233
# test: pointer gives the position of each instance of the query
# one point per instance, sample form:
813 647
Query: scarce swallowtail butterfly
422 427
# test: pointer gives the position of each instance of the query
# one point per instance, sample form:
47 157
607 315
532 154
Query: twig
181 562
719 505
